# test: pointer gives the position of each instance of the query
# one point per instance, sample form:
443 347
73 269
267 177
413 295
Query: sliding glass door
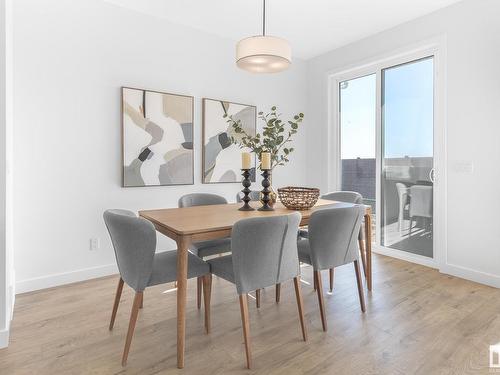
407 157
386 127
357 117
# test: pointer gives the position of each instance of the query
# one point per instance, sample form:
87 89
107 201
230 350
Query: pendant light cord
264 18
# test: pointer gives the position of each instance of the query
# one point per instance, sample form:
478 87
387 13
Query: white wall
472 107
6 262
4 326
71 57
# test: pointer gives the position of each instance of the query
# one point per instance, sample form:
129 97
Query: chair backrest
134 241
402 192
265 251
254 196
201 199
421 201
344 196
333 234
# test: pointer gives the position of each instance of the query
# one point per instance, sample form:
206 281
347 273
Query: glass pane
407 157
358 100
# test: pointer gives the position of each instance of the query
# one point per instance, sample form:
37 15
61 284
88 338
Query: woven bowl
298 198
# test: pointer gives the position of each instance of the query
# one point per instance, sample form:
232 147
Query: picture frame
157 138
221 159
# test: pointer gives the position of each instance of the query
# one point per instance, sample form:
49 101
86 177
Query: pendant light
263 53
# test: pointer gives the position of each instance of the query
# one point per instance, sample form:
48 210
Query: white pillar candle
265 159
246 160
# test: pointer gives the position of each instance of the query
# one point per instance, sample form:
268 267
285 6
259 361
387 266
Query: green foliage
275 138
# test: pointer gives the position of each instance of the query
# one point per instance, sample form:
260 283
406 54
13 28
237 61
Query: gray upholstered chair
205 248
332 243
134 242
201 199
264 253
254 196
420 204
344 196
347 197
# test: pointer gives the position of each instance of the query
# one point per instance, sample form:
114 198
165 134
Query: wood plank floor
417 322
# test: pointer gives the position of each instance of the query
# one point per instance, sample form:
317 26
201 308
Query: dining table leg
182 265
368 250
361 243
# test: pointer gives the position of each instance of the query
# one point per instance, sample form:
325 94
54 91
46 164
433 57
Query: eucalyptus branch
272 139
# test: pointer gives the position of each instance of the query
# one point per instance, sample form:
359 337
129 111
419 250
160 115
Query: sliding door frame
436 49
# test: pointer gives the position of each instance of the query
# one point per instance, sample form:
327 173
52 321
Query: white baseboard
50 281
12 293
4 338
403 255
472 275
448 269
11 298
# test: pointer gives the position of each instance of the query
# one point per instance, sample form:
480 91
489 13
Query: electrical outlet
94 244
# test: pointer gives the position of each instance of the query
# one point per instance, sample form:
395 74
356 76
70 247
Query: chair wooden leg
278 292
142 301
246 327
118 295
257 298
199 285
331 279
207 291
315 284
300 306
131 326
317 277
360 286
363 254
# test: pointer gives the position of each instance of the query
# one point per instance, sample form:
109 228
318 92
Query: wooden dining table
200 223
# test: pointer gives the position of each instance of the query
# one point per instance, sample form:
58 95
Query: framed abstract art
157 131
222 158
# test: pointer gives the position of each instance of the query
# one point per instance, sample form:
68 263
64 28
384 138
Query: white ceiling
311 26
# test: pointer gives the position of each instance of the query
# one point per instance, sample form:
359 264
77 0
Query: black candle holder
246 191
266 173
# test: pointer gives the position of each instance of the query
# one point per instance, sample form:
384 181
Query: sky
407 113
